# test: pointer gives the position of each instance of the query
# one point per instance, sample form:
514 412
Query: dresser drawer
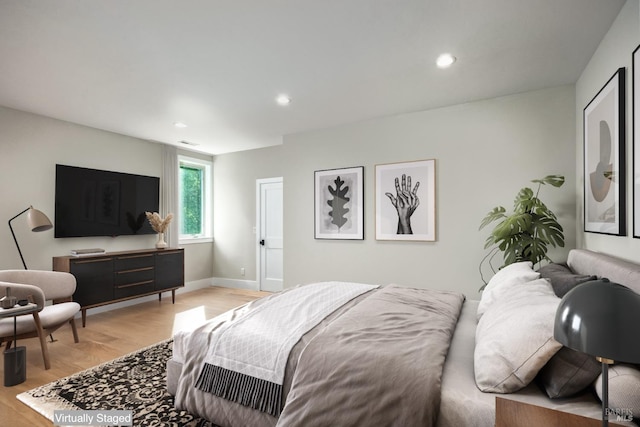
133 262
130 277
133 282
132 289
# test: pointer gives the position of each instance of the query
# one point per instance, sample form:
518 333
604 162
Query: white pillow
514 337
513 274
624 391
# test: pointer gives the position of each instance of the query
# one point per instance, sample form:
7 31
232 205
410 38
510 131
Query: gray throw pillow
562 278
568 373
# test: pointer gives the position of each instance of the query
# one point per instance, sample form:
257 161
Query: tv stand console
118 276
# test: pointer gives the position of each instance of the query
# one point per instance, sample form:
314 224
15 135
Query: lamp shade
600 318
37 220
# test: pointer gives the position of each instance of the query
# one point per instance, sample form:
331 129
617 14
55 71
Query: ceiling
137 67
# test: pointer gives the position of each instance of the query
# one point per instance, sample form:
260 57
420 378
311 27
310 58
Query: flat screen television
91 202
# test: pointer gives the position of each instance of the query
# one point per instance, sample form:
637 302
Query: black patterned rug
135 382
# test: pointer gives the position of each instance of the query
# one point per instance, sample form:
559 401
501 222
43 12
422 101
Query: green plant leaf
489 242
539 208
536 251
528 232
494 215
550 231
512 225
555 180
524 201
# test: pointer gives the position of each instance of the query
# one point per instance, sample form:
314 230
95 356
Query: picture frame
339 203
635 98
604 159
405 201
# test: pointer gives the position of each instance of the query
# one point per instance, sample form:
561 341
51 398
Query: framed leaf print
339 203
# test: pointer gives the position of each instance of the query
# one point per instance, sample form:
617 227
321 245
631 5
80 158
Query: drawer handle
129 285
135 256
169 253
89 261
135 270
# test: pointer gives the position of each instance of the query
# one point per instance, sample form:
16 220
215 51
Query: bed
393 355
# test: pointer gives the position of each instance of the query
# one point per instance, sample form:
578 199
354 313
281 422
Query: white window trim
207 166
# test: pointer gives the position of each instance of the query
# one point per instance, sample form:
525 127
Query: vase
161 244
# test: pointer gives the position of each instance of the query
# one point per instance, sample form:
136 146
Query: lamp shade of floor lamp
36 220
600 318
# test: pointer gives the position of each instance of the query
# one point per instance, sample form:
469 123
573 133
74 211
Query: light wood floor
107 335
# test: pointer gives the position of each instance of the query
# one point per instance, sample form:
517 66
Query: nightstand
512 413
15 362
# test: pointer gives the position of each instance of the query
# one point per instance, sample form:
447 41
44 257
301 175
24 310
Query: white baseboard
236 283
196 284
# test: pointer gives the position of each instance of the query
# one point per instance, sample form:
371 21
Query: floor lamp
37 222
600 318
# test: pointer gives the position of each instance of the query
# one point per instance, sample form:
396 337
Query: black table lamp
37 222
600 318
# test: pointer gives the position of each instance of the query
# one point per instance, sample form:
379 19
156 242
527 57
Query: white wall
614 52
485 152
30 147
234 201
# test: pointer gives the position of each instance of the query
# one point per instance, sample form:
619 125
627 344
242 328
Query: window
195 199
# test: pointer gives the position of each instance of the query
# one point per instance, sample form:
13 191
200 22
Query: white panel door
270 241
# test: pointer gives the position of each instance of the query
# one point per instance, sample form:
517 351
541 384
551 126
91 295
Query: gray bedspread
376 361
378 364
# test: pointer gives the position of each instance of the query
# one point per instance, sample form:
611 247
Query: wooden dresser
117 276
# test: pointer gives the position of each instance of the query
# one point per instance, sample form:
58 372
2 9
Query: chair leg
72 322
9 342
43 341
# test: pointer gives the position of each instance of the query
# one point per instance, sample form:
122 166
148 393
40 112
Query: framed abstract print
339 204
604 159
636 141
405 202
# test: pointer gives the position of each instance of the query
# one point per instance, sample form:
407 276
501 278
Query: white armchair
41 287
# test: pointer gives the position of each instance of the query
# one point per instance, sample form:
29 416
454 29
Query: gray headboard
626 273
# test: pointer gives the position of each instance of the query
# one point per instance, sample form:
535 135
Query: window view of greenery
191 179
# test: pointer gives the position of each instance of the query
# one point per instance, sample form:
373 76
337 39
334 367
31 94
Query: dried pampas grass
158 224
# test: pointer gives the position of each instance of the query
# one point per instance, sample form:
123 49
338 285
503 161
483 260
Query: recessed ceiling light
283 100
445 60
179 125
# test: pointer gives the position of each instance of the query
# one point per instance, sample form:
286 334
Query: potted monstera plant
526 233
